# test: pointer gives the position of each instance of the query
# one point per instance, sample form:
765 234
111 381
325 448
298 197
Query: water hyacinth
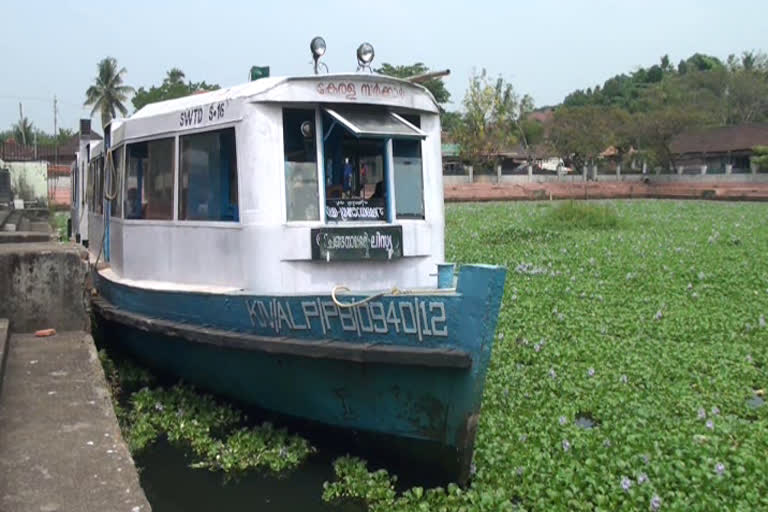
591 372
694 356
701 414
719 468
563 420
626 483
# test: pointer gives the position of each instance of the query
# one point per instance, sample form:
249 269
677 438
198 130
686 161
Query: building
721 149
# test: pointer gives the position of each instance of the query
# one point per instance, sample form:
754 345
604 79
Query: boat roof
259 90
223 107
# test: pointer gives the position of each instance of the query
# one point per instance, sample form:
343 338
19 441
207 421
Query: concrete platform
60 444
41 286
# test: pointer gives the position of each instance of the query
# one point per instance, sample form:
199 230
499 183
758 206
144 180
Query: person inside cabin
348 175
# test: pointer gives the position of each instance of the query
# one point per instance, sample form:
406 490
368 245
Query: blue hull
411 366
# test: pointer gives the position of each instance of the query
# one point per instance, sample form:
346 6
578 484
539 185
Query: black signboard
345 210
363 243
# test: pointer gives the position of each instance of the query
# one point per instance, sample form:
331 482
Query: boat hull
407 365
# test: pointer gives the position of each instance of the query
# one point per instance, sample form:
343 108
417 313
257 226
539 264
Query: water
586 421
755 402
172 486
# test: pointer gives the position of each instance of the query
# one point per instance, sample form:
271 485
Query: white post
498 173
530 172
584 172
645 167
680 169
594 172
728 168
753 167
618 172
704 170
471 173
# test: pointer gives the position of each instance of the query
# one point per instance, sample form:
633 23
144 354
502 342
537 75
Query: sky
545 48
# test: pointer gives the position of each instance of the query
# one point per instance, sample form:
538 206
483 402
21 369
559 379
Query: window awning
375 123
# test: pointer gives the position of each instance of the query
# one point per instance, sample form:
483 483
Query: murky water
172 486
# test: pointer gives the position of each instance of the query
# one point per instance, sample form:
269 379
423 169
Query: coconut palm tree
23 131
108 93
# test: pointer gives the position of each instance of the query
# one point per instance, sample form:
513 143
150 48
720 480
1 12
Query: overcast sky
545 48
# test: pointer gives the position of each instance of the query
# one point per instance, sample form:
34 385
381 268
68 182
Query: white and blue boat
281 242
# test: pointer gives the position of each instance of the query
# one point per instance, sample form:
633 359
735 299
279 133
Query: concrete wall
453 180
34 173
41 286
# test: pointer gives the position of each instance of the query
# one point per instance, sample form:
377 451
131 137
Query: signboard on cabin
345 210
358 243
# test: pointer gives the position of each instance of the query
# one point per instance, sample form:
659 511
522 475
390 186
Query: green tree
490 124
435 85
173 86
760 157
24 131
582 133
108 93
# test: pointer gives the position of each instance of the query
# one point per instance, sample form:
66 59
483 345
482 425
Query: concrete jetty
60 444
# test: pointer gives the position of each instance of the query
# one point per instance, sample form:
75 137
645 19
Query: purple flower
710 424
563 420
607 443
591 372
523 438
537 347
655 503
552 373
715 411
702 413
623 379
566 445
642 478
658 316
626 483
719 468
519 471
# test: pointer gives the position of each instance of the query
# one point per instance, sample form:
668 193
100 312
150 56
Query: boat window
149 180
409 181
208 176
116 188
98 185
301 186
367 122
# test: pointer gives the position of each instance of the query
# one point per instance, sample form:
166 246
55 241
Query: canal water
172 486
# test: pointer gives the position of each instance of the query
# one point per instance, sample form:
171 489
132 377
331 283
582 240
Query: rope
393 291
338 287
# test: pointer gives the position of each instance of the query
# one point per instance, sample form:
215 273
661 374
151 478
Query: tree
490 121
173 86
108 93
760 157
24 131
582 133
435 85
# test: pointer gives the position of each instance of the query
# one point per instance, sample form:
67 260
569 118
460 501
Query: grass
580 215
655 329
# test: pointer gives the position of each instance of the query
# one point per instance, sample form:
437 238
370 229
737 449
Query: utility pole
21 125
55 133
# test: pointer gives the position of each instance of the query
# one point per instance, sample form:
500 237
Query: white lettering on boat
415 317
349 90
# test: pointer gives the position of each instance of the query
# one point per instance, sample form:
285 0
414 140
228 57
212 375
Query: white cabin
222 190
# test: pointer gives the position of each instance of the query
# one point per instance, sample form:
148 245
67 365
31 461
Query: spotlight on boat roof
317 47
365 56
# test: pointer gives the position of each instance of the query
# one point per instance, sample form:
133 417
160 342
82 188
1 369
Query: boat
281 243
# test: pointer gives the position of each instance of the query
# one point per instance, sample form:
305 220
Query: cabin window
356 141
301 186
117 187
98 186
208 176
149 180
409 181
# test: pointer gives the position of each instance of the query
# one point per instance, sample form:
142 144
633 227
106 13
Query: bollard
445 275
